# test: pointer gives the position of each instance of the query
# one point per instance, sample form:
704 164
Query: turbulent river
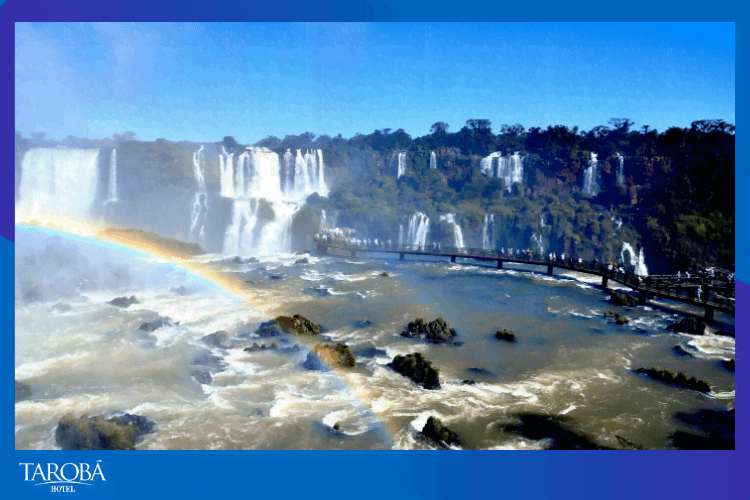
569 380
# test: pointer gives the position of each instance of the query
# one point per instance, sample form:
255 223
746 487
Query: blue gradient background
325 474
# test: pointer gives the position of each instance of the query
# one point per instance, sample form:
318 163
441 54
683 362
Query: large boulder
619 319
623 299
507 335
23 391
325 356
98 433
417 368
437 331
689 325
286 324
434 429
218 339
124 302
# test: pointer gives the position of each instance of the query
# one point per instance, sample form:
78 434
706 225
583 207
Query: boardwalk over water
718 295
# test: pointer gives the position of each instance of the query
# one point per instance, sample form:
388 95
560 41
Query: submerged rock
435 331
507 335
623 299
262 347
303 260
434 429
156 324
679 378
681 351
124 302
23 391
417 368
619 319
98 433
325 356
201 376
205 358
218 339
728 364
690 326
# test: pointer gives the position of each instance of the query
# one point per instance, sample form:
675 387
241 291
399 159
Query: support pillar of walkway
453 258
641 298
605 280
499 264
549 269
709 316
401 256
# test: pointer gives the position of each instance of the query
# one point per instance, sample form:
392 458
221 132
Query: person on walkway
698 292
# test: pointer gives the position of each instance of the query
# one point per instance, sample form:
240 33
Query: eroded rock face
417 368
98 433
329 356
434 429
689 325
435 331
124 302
623 299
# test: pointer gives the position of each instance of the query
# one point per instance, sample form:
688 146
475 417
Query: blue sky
201 82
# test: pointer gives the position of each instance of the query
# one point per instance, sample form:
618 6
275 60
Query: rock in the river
507 335
324 356
303 260
679 378
435 331
98 433
417 368
218 339
23 391
681 351
201 376
619 319
689 325
623 299
156 324
385 274
262 347
124 302
434 429
297 324
728 364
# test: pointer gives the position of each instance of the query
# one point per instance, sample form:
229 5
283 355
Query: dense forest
674 196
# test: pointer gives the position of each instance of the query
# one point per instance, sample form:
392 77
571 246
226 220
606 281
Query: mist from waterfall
591 176
58 181
458 238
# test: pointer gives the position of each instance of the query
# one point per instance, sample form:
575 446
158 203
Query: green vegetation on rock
98 433
417 368
679 378
435 430
507 335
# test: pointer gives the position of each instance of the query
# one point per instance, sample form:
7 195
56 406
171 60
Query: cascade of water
226 172
322 188
433 160
591 177
638 261
419 225
537 238
488 232
288 172
323 221
458 238
620 170
58 181
401 165
199 206
112 191
400 235
265 201
486 165
542 220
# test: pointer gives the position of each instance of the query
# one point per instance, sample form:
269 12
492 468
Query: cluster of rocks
99 433
623 299
262 347
417 368
507 335
437 331
619 319
679 378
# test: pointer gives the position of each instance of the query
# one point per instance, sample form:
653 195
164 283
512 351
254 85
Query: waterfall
419 225
400 235
620 170
112 191
537 238
488 232
542 220
509 169
267 193
591 177
58 181
199 206
458 238
401 165
638 261
433 160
